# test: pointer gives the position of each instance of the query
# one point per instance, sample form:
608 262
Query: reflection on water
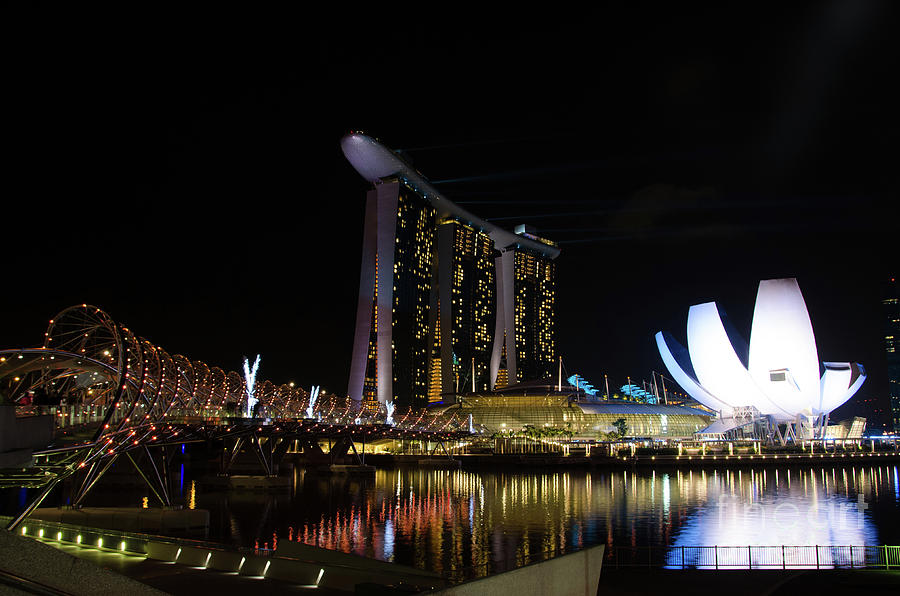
793 507
474 521
448 521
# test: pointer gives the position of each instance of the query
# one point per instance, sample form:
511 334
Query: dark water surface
447 520
452 520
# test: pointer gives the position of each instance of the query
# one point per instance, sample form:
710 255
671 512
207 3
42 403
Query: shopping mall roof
638 408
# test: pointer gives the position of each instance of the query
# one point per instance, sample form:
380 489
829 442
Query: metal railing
756 557
65 415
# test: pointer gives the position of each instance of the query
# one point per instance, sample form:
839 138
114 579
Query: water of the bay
449 520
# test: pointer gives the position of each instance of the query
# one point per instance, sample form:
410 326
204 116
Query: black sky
182 170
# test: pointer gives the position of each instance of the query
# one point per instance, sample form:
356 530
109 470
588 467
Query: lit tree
313 396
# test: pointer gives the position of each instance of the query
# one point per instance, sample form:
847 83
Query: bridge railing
66 416
77 415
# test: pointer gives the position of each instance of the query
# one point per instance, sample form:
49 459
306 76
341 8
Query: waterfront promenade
649 461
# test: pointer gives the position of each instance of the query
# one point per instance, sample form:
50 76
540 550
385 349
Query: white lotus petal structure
778 373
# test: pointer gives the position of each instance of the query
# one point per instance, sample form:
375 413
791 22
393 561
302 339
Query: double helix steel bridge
111 393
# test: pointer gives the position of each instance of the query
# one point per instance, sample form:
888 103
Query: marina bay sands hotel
448 303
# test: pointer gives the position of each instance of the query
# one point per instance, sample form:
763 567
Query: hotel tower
448 303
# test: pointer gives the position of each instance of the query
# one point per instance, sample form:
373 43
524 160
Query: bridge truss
119 394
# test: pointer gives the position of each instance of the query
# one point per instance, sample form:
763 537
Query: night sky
183 171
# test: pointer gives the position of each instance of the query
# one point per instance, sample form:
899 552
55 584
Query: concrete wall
576 574
304 565
344 570
301 564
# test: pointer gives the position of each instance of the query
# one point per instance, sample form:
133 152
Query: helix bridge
114 394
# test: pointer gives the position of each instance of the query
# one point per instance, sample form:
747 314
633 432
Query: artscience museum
774 386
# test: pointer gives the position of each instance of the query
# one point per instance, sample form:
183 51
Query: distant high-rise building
892 348
435 282
525 334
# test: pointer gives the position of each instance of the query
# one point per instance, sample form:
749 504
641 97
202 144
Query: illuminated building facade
533 301
393 319
525 334
892 349
776 376
543 407
467 295
442 293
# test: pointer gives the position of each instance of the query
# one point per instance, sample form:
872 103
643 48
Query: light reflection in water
452 520
388 552
754 511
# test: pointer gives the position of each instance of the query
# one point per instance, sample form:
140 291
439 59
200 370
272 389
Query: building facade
394 323
892 349
467 297
448 303
777 378
525 334
514 411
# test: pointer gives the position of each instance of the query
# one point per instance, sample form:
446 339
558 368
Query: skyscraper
525 334
467 294
393 318
435 281
892 348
